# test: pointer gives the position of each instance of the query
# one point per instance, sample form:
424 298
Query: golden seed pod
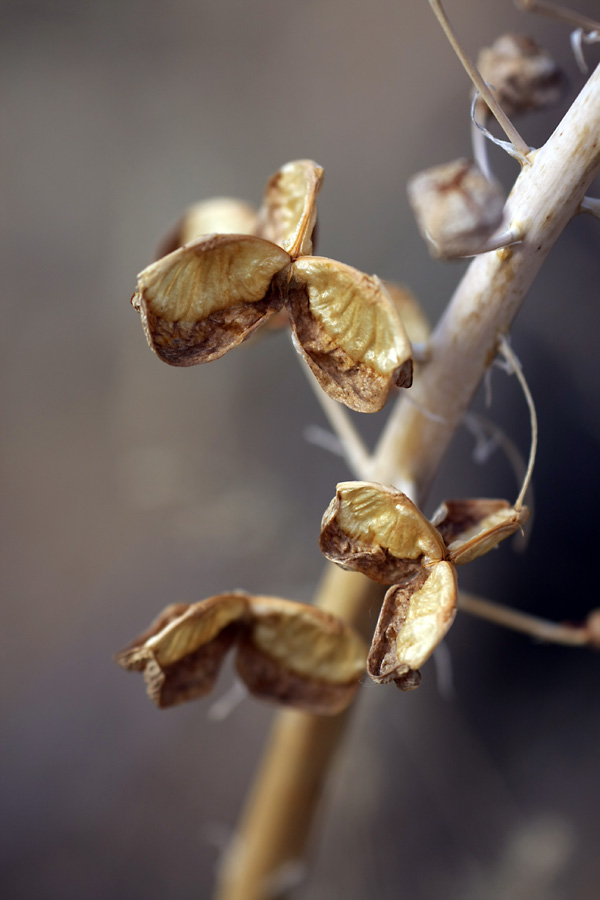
207 297
348 331
378 531
414 619
287 652
220 215
524 77
471 528
456 207
288 214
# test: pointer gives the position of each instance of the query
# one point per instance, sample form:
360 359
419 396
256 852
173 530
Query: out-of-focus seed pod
524 76
287 652
456 207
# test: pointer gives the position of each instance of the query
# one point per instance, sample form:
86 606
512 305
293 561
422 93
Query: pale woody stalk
547 194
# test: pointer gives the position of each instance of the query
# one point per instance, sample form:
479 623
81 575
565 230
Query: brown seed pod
287 652
523 75
347 329
378 531
208 296
471 528
288 214
456 207
414 619
205 298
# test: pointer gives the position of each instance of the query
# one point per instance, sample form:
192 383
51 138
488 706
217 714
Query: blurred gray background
128 484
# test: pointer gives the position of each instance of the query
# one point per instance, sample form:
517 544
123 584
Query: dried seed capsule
345 326
523 75
203 299
301 656
221 215
378 531
414 619
288 214
456 207
288 652
471 528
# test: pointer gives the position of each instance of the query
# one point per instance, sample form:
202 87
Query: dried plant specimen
457 208
287 652
377 530
206 297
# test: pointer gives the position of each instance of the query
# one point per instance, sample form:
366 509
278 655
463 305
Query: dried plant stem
547 194
541 629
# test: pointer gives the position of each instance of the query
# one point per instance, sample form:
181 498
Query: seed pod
301 656
471 528
523 75
346 328
414 619
221 215
456 207
203 299
288 214
378 531
208 296
287 652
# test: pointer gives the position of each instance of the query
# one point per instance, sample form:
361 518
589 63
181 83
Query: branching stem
540 629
